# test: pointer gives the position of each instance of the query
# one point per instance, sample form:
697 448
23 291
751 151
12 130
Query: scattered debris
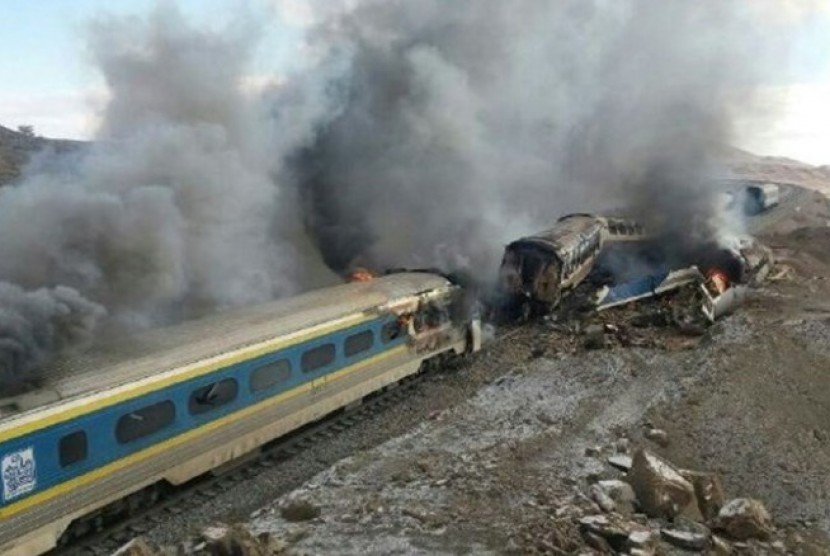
648 286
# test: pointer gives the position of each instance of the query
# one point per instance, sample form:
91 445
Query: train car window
212 396
145 421
358 343
270 375
317 358
391 331
72 448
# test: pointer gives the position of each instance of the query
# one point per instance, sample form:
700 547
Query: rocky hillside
16 148
779 169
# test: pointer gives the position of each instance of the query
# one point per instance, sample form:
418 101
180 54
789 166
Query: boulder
621 462
618 492
661 490
658 436
605 502
642 542
686 540
743 519
613 528
236 540
720 547
708 491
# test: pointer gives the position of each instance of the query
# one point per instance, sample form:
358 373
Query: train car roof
144 354
563 237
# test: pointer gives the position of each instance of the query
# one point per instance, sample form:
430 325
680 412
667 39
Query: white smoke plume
466 124
175 209
425 133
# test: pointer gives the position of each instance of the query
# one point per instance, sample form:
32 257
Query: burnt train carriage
535 270
106 429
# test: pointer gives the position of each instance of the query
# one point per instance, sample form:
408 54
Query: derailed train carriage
537 270
109 431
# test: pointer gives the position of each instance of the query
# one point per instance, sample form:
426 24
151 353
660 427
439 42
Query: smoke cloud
34 326
174 210
465 124
421 134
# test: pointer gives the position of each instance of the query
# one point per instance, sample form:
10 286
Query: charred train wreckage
592 256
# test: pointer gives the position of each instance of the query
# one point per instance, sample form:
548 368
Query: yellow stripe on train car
82 406
111 468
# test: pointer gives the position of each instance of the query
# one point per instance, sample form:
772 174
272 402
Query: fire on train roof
141 355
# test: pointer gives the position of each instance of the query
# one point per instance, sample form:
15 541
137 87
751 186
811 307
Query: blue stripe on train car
632 289
103 447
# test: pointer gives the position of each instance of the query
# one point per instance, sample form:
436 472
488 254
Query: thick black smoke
423 133
465 124
35 326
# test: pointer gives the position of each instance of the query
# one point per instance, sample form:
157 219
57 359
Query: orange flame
718 280
361 275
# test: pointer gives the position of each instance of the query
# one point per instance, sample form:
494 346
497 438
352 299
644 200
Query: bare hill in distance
16 148
779 169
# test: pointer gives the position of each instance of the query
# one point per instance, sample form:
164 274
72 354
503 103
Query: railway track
104 532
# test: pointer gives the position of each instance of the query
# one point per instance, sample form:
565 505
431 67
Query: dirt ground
500 457
509 469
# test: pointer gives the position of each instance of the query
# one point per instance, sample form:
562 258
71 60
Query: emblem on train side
19 473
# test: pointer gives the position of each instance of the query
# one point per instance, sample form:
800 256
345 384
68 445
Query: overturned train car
536 270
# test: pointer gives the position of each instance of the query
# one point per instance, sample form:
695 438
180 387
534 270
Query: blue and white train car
107 427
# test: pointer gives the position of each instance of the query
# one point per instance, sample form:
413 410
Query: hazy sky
47 81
